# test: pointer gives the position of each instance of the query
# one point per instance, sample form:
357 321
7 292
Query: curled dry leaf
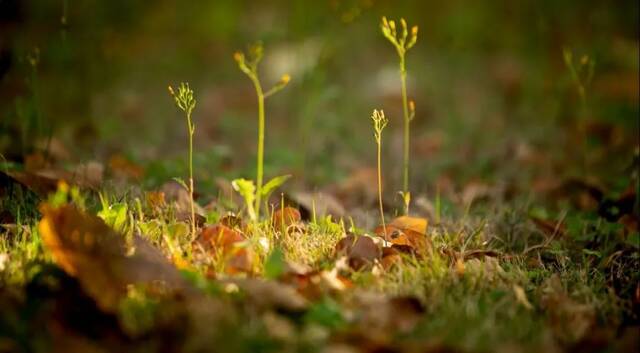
40 185
220 240
86 248
284 217
361 251
406 234
415 224
390 257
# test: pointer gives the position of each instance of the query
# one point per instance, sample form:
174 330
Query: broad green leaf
273 184
115 216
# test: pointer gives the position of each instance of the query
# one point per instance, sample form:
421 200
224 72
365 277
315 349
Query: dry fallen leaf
86 248
409 240
407 233
282 218
123 168
411 223
361 251
220 240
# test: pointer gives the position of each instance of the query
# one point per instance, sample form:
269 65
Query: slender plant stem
193 212
405 110
384 227
260 170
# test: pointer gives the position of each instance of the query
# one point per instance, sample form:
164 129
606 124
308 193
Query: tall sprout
249 65
402 40
185 102
379 123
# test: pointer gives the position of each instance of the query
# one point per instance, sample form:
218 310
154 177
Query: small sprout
186 102
379 123
581 72
249 65
402 42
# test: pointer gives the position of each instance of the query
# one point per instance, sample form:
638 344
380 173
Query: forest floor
88 267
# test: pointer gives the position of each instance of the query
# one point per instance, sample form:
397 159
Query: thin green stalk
405 111
260 157
184 101
384 227
379 123
249 65
193 211
403 40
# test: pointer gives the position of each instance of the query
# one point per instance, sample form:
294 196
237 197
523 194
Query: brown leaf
123 168
406 233
86 248
35 161
361 251
415 224
220 240
284 217
36 183
390 257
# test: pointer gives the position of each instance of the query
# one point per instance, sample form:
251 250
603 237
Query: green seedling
247 189
403 41
379 123
581 72
581 75
185 102
249 65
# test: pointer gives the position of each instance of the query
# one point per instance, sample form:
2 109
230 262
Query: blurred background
495 100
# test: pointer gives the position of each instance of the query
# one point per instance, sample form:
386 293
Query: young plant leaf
273 184
182 183
247 190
